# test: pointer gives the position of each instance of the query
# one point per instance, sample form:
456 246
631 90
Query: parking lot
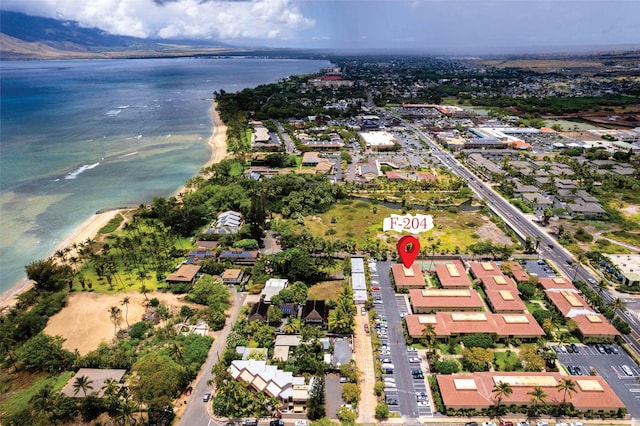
610 367
405 386
539 268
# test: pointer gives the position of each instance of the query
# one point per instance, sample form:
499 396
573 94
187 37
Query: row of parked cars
606 349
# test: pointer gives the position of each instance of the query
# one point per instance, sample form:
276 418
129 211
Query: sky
438 26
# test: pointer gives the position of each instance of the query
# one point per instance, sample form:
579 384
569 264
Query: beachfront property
437 299
453 324
186 274
475 391
228 222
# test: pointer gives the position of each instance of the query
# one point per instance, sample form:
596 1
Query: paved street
364 361
196 411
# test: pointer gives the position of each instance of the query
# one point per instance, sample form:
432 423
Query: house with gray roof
290 390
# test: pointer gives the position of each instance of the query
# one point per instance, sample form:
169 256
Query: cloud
197 19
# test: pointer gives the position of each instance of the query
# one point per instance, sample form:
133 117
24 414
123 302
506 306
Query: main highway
524 227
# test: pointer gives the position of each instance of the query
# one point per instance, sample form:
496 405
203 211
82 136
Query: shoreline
90 227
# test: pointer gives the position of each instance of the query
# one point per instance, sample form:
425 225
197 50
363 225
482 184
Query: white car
488 424
414 360
301 423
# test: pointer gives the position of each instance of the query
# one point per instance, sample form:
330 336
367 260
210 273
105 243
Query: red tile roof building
436 299
556 282
452 275
505 301
482 269
518 272
595 326
452 324
475 391
407 277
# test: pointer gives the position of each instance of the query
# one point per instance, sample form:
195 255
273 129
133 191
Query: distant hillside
31 37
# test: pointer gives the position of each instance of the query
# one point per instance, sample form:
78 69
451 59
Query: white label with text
408 223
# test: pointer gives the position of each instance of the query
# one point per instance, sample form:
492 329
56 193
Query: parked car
471 424
607 349
301 423
206 397
488 424
571 370
614 349
414 360
541 423
276 422
392 402
600 348
578 371
574 348
363 310
366 328
627 370
506 423
522 424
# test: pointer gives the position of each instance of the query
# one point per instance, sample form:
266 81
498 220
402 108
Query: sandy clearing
85 321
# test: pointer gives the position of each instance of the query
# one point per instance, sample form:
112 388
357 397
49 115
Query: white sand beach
89 228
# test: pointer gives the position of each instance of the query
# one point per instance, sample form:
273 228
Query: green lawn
325 290
506 361
362 221
12 403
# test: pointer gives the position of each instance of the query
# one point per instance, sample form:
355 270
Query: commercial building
475 391
378 139
452 274
407 277
436 299
628 266
452 324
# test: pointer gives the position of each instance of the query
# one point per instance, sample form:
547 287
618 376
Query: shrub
382 411
447 367
478 340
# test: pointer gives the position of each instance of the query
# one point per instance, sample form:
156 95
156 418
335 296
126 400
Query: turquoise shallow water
80 136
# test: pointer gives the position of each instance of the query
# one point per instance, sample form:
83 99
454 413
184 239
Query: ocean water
81 136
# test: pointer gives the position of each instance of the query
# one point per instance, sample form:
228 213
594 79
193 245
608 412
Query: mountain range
32 37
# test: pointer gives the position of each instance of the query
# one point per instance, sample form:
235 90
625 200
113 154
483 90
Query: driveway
364 361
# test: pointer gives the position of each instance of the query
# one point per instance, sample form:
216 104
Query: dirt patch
490 231
85 322
630 210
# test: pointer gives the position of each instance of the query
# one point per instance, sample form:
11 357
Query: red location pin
408 249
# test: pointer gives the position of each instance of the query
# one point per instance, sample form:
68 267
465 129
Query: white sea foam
124 106
129 154
74 174
113 112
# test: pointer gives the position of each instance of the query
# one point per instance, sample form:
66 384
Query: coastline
90 227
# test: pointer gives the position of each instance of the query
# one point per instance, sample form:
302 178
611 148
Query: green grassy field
605 246
362 221
325 290
624 237
505 361
14 402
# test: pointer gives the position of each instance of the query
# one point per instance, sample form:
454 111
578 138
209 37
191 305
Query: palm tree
41 402
602 286
292 326
618 303
500 390
110 391
566 386
82 383
176 351
125 302
429 334
538 396
116 315
126 412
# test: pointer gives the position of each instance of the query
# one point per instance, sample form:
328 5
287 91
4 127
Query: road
196 411
516 220
289 146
